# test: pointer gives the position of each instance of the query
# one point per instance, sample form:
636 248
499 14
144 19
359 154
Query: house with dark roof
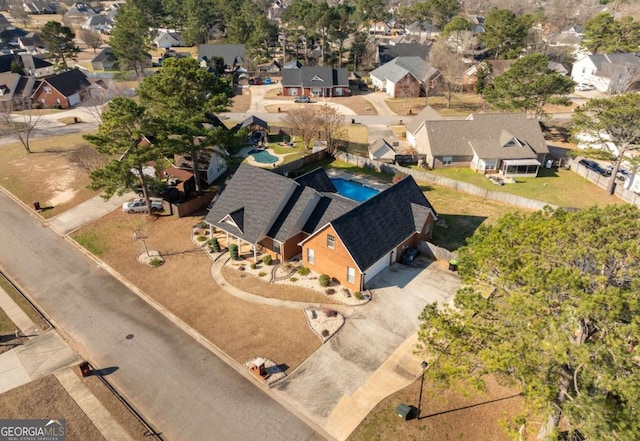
30 42
105 60
613 73
403 76
315 82
100 23
63 90
15 90
507 143
234 55
35 66
387 52
40 7
252 124
307 217
79 12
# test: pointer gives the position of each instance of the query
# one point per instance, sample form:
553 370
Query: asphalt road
184 390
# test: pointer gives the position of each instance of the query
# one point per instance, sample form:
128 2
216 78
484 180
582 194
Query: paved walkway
86 212
91 406
17 315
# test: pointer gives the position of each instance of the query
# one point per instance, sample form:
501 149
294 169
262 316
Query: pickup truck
139 205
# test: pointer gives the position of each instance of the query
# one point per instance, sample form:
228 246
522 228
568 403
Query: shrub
253 266
324 280
262 274
330 312
215 245
267 260
303 271
155 262
201 238
325 333
202 224
233 251
330 291
293 279
346 292
358 295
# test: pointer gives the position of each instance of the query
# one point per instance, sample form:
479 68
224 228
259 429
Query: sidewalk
87 212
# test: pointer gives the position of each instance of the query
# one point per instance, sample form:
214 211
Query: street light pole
424 365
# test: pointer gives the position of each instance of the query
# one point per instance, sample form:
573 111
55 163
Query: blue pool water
353 190
263 156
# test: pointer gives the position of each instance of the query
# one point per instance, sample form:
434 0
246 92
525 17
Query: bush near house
303 271
324 280
233 251
267 260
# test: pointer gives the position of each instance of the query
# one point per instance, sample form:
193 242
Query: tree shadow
452 230
471 406
105 371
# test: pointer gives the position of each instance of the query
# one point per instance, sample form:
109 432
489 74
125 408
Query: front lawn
560 187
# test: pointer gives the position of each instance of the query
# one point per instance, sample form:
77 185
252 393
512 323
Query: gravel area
324 323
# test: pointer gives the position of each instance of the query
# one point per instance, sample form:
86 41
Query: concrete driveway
370 335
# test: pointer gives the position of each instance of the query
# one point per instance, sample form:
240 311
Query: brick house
403 77
64 90
306 217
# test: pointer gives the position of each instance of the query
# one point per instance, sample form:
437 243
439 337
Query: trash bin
453 265
404 411
85 369
36 206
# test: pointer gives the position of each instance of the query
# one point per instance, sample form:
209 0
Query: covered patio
520 167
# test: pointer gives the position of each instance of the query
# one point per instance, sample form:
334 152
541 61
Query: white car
584 87
139 205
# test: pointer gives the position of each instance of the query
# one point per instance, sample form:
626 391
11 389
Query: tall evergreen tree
130 40
58 41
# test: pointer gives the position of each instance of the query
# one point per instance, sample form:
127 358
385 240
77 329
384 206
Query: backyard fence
603 182
435 252
186 208
286 169
424 176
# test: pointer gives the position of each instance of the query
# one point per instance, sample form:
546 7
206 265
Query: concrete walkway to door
348 367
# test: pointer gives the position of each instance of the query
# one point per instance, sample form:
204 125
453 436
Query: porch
525 168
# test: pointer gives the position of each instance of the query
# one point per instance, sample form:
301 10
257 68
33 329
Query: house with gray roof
387 52
234 55
315 82
306 217
613 73
403 76
507 143
100 23
15 90
381 150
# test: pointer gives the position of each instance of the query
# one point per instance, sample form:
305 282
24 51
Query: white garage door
376 268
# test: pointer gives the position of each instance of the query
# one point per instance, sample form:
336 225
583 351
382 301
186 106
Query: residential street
184 390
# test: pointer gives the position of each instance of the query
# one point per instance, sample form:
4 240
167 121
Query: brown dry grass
184 286
46 398
446 415
241 102
45 175
118 411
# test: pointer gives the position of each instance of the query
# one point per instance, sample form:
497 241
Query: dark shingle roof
257 195
251 121
391 217
318 180
233 54
315 77
5 62
387 53
70 82
288 223
329 207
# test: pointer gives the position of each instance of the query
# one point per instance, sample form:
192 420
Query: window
490 164
311 256
447 160
351 275
47 90
276 247
331 241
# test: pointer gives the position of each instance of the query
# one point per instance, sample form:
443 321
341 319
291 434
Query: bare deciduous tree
304 124
87 158
451 67
92 39
19 119
18 12
331 122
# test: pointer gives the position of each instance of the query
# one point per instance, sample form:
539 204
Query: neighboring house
613 73
100 23
15 90
306 217
381 150
403 76
379 28
252 124
105 60
427 114
498 67
294 64
40 7
387 53
422 29
315 82
234 55
5 25
272 68
30 42
79 12
63 90
36 66
216 168
510 144
166 38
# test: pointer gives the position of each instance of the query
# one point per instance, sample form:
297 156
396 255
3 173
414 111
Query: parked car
139 205
622 173
582 87
409 256
593 165
302 99
363 87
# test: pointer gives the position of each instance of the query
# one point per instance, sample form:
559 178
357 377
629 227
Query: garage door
376 268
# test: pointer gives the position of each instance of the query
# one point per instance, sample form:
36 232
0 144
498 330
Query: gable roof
30 62
487 135
398 68
315 77
381 149
105 54
294 64
232 54
391 216
251 121
318 180
387 53
69 82
426 114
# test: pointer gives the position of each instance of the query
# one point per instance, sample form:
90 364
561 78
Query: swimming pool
353 190
263 156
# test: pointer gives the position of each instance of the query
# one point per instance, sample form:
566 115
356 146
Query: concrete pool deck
364 180
244 153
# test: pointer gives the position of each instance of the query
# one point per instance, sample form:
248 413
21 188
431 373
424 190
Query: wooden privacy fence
603 182
435 252
286 169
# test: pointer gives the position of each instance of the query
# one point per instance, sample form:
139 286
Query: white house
613 73
217 167
167 38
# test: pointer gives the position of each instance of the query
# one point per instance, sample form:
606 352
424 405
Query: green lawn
559 187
